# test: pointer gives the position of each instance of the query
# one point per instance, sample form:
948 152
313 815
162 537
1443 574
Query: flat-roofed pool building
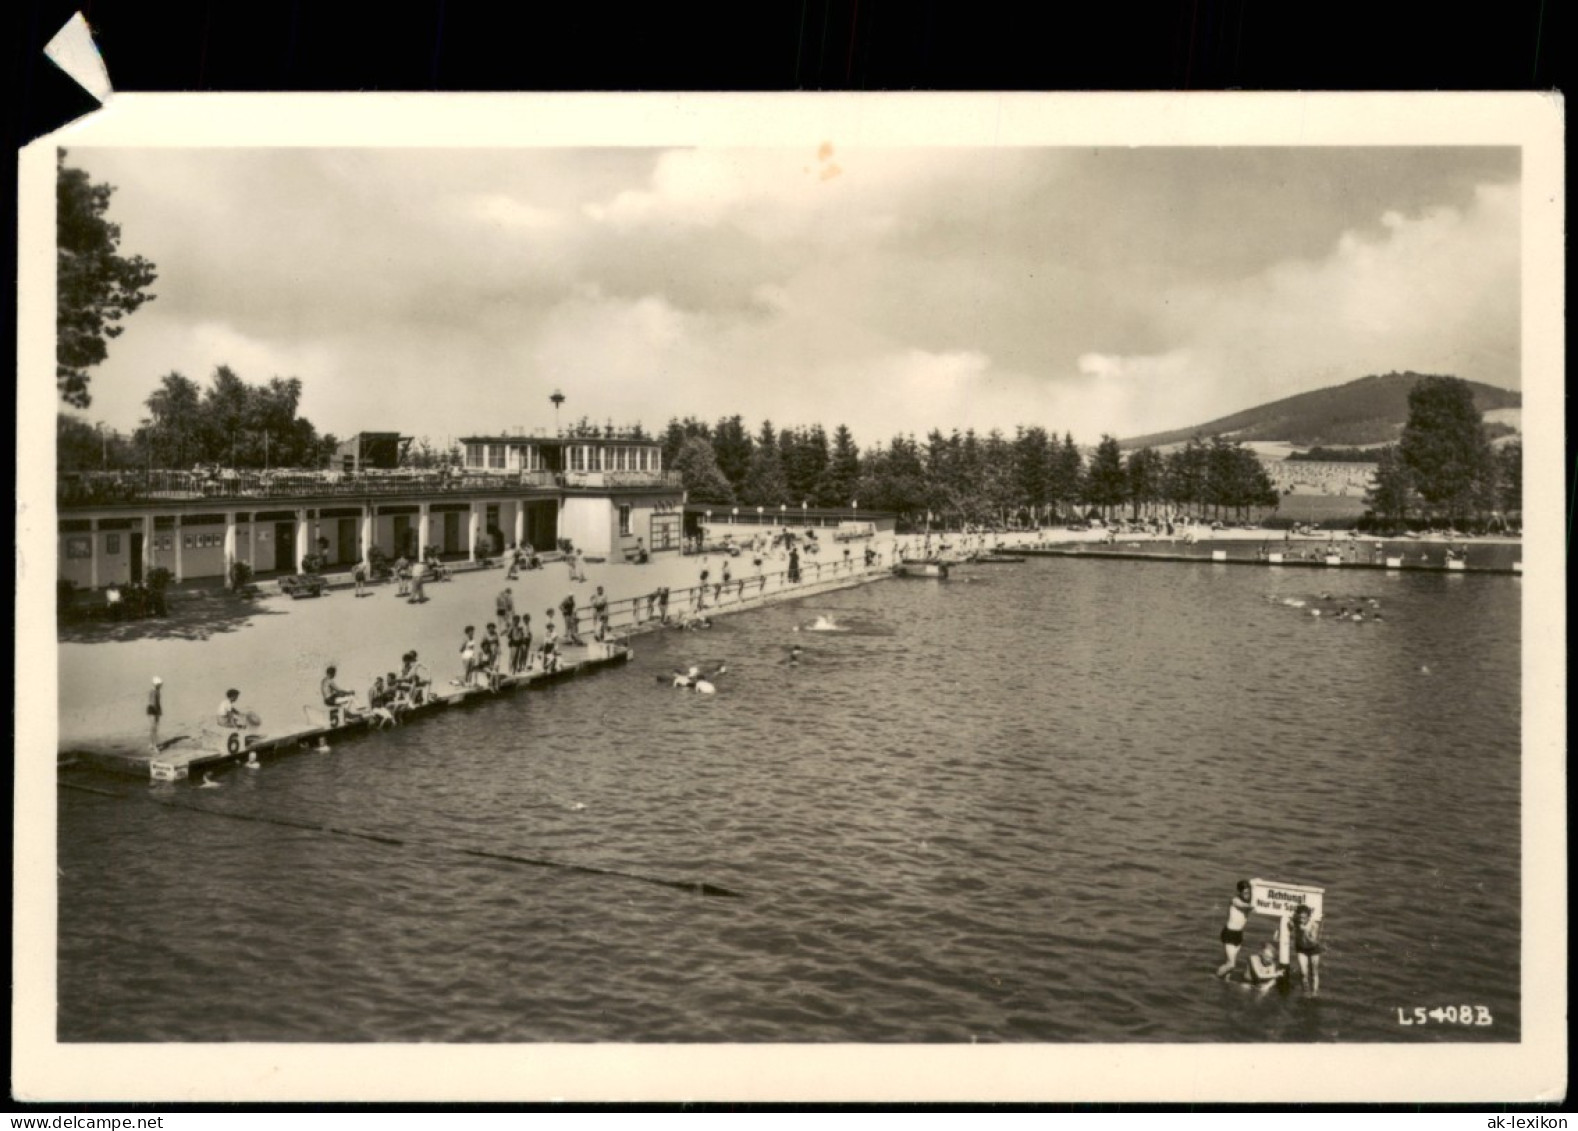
614 489
114 527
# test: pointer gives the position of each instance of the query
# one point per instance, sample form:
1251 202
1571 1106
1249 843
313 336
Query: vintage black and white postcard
968 597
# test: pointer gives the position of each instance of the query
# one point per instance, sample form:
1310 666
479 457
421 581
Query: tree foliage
840 482
698 468
95 286
1107 485
231 423
80 446
1509 468
1391 486
731 445
1444 445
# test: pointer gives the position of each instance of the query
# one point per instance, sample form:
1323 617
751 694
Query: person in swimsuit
334 696
488 657
231 715
155 712
468 656
550 644
517 640
1263 969
1304 933
567 607
1233 934
413 678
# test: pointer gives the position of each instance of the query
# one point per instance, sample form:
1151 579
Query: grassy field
1324 509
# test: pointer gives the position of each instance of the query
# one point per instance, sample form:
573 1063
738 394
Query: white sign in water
1279 900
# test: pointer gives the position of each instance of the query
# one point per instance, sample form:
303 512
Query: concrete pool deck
275 649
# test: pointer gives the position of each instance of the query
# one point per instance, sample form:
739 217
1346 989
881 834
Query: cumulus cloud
889 290
1434 292
511 213
1142 367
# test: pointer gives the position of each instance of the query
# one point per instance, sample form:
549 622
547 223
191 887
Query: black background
809 45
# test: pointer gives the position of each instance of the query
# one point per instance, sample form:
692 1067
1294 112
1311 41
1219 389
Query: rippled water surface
1008 807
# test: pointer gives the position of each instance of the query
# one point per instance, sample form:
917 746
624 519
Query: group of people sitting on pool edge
389 697
1265 967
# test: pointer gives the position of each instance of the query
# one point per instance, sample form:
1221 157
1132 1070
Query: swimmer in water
795 652
208 781
1304 933
694 680
252 762
1233 933
1264 971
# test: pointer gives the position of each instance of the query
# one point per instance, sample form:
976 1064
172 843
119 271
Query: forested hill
1371 410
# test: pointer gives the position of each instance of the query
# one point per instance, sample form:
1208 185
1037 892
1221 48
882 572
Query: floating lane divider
697 887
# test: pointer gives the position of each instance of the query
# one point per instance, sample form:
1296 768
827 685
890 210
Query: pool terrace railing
93 488
645 610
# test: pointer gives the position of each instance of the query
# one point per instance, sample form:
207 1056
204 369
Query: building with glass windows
613 486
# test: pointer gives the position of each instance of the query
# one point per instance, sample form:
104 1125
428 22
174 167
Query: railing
582 479
682 605
108 487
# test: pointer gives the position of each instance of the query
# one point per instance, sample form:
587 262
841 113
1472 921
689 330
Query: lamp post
558 399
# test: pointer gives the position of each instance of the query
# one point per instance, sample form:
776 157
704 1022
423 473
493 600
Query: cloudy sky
445 293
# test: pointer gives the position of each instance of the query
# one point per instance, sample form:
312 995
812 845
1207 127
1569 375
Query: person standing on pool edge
155 712
1233 934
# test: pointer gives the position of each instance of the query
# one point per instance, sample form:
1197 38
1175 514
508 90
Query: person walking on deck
504 608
